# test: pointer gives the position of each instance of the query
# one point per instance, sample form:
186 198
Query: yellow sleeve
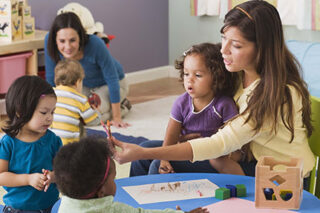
228 139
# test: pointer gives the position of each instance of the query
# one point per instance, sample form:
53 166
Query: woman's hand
119 123
165 167
116 116
129 152
37 181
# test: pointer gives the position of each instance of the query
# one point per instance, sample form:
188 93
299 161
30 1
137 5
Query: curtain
305 14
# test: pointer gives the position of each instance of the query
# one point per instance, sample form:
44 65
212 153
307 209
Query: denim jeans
184 166
9 209
141 167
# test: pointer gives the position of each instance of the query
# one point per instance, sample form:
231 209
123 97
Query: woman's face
238 53
68 43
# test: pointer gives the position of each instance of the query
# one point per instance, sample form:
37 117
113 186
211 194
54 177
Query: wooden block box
279 178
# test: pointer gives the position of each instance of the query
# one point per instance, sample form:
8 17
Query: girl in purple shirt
205 106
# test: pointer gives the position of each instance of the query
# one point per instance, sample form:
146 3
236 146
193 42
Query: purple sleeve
227 108
177 109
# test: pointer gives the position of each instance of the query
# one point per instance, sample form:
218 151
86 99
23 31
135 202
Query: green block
222 193
241 190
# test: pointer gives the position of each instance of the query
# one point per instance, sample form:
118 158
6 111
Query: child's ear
79 85
101 193
79 82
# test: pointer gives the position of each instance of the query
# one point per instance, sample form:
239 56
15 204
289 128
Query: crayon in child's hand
105 128
109 129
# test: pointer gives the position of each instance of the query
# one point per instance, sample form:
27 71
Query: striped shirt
72 108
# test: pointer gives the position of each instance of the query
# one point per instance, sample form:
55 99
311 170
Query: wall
140 27
185 30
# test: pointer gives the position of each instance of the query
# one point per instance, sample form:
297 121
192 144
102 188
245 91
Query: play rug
125 138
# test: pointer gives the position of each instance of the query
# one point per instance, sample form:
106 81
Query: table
26 45
309 203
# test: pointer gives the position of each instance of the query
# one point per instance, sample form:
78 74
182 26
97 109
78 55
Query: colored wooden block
268 193
28 29
16 28
285 194
5 21
222 193
233 190
241 190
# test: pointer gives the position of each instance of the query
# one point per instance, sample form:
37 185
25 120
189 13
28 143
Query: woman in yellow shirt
273 101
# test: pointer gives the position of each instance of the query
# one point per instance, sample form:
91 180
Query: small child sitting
73 109
85 173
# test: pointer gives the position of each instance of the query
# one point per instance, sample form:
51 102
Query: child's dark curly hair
224 82
79 167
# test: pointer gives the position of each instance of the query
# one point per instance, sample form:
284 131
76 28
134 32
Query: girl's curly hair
224 82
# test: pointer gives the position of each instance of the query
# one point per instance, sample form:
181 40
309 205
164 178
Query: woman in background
104 75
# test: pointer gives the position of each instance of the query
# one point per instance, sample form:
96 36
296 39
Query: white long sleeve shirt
265 143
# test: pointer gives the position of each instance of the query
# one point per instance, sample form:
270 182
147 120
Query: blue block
233 190
268 192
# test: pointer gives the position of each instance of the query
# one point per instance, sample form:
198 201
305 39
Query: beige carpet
148 119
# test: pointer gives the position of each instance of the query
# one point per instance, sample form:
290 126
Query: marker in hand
109 129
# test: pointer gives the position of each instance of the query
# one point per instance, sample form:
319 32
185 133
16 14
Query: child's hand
165 167
197 210
37 181
49 178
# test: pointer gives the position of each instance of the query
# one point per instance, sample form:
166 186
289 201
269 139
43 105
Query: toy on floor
238 190
94 100
279 184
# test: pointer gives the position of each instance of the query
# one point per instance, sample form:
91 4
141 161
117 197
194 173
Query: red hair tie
100 184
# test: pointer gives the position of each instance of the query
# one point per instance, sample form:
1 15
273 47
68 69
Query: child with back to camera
85 173
205 106
28 148
73 109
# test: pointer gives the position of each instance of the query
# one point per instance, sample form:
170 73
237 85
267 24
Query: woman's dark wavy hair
65 20
80 166
22 99
276 66
224 82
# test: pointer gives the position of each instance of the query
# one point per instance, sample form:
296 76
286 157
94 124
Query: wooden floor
147 91
155 89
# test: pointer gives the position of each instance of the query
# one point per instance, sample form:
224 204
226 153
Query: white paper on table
171 191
